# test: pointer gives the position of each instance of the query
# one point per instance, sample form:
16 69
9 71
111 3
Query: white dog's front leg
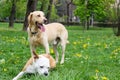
19 75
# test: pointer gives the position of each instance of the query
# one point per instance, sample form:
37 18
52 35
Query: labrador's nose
45 20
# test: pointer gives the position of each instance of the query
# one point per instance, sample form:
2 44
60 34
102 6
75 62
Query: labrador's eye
41 66
38 15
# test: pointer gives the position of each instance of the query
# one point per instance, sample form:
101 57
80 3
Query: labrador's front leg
32 48
46 46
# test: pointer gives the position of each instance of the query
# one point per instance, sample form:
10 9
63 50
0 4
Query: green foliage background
99 8
5 7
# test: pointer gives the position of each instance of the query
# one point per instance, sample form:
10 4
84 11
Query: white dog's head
37 18
41 64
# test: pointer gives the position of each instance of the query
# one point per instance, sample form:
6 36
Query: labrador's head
37 18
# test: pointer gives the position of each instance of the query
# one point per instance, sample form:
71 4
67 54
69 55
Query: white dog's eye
41 66
48 67
38 15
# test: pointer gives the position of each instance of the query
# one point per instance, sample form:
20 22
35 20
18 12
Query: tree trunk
31 6
68 8
91 20
118 33
68 15
49 10
86 26
118 14
12 14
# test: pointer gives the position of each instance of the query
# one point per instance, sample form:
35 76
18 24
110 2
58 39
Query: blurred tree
68 2
12 13
118 14
42 5
20 9
31 6
49 10
86 8
54 16
6 9
48 7
115 17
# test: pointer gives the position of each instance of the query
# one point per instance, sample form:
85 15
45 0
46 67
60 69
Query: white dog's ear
35 56
30 18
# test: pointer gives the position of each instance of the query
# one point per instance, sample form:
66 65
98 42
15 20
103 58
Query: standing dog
40 34
38 64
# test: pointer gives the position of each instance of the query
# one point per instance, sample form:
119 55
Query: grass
91 55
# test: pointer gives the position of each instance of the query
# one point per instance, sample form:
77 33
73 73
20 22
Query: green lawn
91 55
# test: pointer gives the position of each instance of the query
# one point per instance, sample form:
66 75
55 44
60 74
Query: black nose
46 74
45 20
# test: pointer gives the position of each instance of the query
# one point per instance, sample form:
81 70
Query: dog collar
33 32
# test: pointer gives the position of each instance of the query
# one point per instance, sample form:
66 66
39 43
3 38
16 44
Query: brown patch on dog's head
30 61
51 59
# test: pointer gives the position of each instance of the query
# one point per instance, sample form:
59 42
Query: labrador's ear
35 56
30 18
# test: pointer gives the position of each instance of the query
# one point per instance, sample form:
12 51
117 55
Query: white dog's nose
46 74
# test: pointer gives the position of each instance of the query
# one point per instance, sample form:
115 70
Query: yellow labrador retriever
40 34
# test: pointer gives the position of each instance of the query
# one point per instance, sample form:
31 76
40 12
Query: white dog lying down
38 64
40 34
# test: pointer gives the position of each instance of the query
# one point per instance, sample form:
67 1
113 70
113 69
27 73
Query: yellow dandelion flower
105 45
116 50
104 78
96 70
74 43
51 51
85 46
78 55
4 69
